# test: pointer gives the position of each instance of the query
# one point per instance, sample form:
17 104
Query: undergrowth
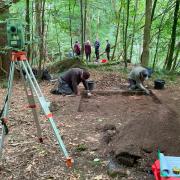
4 84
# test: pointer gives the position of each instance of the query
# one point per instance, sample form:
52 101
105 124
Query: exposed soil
102 127
146 124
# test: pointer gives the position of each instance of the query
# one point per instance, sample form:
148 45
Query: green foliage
169 77
81 147
96 163
102 23
4 84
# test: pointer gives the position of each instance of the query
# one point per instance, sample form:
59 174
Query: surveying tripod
31 88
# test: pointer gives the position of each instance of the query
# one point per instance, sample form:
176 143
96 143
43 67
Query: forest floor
98 132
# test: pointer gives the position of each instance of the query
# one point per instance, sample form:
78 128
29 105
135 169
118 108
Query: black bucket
159 84
90 85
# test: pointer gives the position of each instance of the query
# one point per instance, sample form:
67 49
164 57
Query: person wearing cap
137 77
69 81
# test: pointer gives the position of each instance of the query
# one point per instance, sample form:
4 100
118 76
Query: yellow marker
176 170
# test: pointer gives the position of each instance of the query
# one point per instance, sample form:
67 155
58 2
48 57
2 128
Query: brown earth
100 127
146 125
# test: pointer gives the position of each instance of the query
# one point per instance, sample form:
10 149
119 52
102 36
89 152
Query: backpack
46 75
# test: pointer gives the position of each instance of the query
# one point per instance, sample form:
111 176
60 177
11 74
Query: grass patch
169 77
95 163
81 147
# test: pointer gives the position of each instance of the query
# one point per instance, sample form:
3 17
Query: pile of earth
65 64
155 128
109 81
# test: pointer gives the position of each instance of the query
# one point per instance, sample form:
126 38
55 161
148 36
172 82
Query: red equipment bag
104 61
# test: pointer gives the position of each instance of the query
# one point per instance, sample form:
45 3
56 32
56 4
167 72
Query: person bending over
137 77
69 81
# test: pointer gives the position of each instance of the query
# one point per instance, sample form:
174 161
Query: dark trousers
97 54
64 87
78 53
131 82
88 58
108 55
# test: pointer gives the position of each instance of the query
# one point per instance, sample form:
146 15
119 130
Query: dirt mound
158 130
110 80
144 125
64 65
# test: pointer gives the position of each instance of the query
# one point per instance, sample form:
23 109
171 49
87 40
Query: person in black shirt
107 50
96 46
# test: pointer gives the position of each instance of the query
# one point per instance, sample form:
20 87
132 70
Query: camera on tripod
15 34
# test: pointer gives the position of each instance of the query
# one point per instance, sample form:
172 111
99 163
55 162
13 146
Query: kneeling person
69 81
136 78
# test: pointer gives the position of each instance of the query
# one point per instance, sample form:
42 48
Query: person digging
69 81
137 77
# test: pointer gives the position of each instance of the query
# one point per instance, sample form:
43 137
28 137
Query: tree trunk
157 43
116 39
147 31
28 37
57 34
176 57
85 19
118 17
134 26
158 38
166 60
4 56
38 27
42 47
89 23
153 10
98 25
70 25
123 32
32 34
82 29
173 37
125 35
58 42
